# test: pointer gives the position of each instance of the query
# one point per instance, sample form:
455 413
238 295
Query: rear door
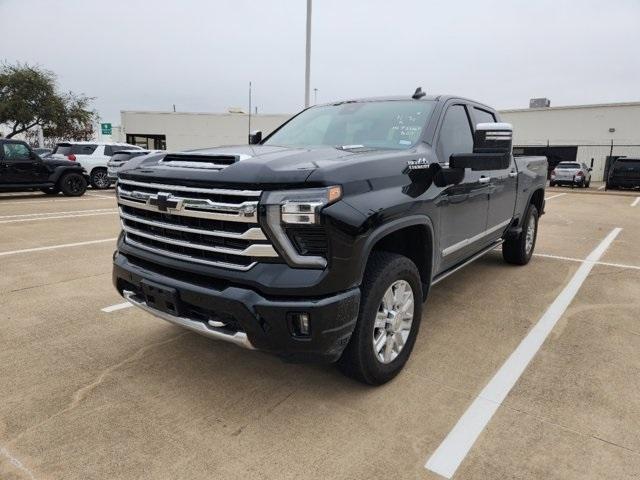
503 184
19 166
463 207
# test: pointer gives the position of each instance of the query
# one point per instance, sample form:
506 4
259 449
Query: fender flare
393 226
61 170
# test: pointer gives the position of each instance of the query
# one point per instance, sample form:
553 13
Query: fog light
300 324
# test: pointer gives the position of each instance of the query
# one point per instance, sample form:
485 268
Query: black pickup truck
320 242
22 169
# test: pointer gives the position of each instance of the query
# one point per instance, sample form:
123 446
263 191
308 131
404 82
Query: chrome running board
454 269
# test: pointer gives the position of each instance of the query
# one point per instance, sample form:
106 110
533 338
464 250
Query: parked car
575 174
93 156
321 242
43 152
624 173
121 157
22 169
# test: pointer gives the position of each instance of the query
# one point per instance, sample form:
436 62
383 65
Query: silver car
575 174
121 157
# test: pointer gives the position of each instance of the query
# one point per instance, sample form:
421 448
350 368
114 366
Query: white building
179 130
581 132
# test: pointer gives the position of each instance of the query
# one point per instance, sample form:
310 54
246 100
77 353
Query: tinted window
111 149
15 151
568 165
455 133
62 149
124 156
482 116
382 124
75 148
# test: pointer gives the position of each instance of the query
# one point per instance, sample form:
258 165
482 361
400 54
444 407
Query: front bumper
246 318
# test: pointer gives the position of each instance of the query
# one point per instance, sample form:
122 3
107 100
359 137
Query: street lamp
307 69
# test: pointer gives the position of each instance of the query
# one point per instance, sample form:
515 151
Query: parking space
91 394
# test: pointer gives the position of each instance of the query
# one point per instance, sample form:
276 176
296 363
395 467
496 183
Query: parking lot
90 388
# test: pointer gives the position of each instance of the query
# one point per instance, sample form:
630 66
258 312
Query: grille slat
216 227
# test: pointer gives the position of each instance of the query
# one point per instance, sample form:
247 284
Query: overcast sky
201 55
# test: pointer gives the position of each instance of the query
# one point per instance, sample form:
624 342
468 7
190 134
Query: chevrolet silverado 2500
320 242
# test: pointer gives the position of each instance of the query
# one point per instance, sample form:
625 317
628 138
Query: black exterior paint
380 198
34 172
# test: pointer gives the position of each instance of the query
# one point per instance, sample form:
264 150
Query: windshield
568 165
628 162
383 124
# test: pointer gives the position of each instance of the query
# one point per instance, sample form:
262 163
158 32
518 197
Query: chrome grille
210 226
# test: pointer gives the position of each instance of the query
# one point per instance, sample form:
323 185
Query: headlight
297 208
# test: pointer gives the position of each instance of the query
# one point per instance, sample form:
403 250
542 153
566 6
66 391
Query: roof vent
418 94
215 162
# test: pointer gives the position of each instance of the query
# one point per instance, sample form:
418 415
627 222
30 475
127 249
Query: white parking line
601 187
54 247
635 202
2 217
33 219
99 196
452 451
554 196
579 260
117 306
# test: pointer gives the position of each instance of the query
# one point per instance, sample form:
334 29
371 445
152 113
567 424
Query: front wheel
518 250
388 321
100 178
73 184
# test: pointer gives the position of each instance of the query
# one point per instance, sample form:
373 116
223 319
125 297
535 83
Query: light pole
315 96
307 69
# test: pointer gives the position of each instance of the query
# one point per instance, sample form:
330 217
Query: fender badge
419 164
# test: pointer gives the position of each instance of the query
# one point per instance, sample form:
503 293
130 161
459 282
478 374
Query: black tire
588 184
552 184
516 250
100 179
50 190
72 184
359 359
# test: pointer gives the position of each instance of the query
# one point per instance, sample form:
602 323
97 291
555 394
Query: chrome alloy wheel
101 179
393 321
530 235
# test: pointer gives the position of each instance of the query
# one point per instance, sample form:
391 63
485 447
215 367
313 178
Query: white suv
93 156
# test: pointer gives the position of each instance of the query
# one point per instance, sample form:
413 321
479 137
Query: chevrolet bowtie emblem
164 202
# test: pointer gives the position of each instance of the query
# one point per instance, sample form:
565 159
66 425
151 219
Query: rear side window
121 156
75 148
111 149
455 133
482 116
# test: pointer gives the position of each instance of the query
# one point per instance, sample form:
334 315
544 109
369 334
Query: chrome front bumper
239 338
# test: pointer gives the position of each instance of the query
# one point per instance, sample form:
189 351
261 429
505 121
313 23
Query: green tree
29 98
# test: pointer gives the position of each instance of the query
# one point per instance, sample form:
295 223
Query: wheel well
538 199
413 242
97 168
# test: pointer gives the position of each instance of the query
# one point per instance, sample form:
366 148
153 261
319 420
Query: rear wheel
388 321
518 250
100 179
72 184
552 184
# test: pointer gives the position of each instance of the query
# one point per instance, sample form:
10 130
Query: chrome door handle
513 174
484 179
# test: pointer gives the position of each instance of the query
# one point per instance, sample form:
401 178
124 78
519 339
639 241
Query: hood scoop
201 161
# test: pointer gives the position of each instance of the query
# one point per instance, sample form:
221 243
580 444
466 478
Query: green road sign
106 128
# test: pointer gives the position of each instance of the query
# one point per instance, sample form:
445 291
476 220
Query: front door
502 186
19 166
463 207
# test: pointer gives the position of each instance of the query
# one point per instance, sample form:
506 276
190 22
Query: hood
254 166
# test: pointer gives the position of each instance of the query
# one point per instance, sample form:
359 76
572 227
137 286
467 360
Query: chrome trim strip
238 338
444 275
181 188
255 250
170 254
251 234
193 213
467 241
200 165
247 207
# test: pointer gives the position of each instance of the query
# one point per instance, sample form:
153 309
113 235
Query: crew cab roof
435 97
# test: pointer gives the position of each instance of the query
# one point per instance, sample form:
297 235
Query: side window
83 149
482 116
455 133
16 151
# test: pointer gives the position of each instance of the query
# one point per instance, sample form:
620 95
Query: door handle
513 174
484 179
